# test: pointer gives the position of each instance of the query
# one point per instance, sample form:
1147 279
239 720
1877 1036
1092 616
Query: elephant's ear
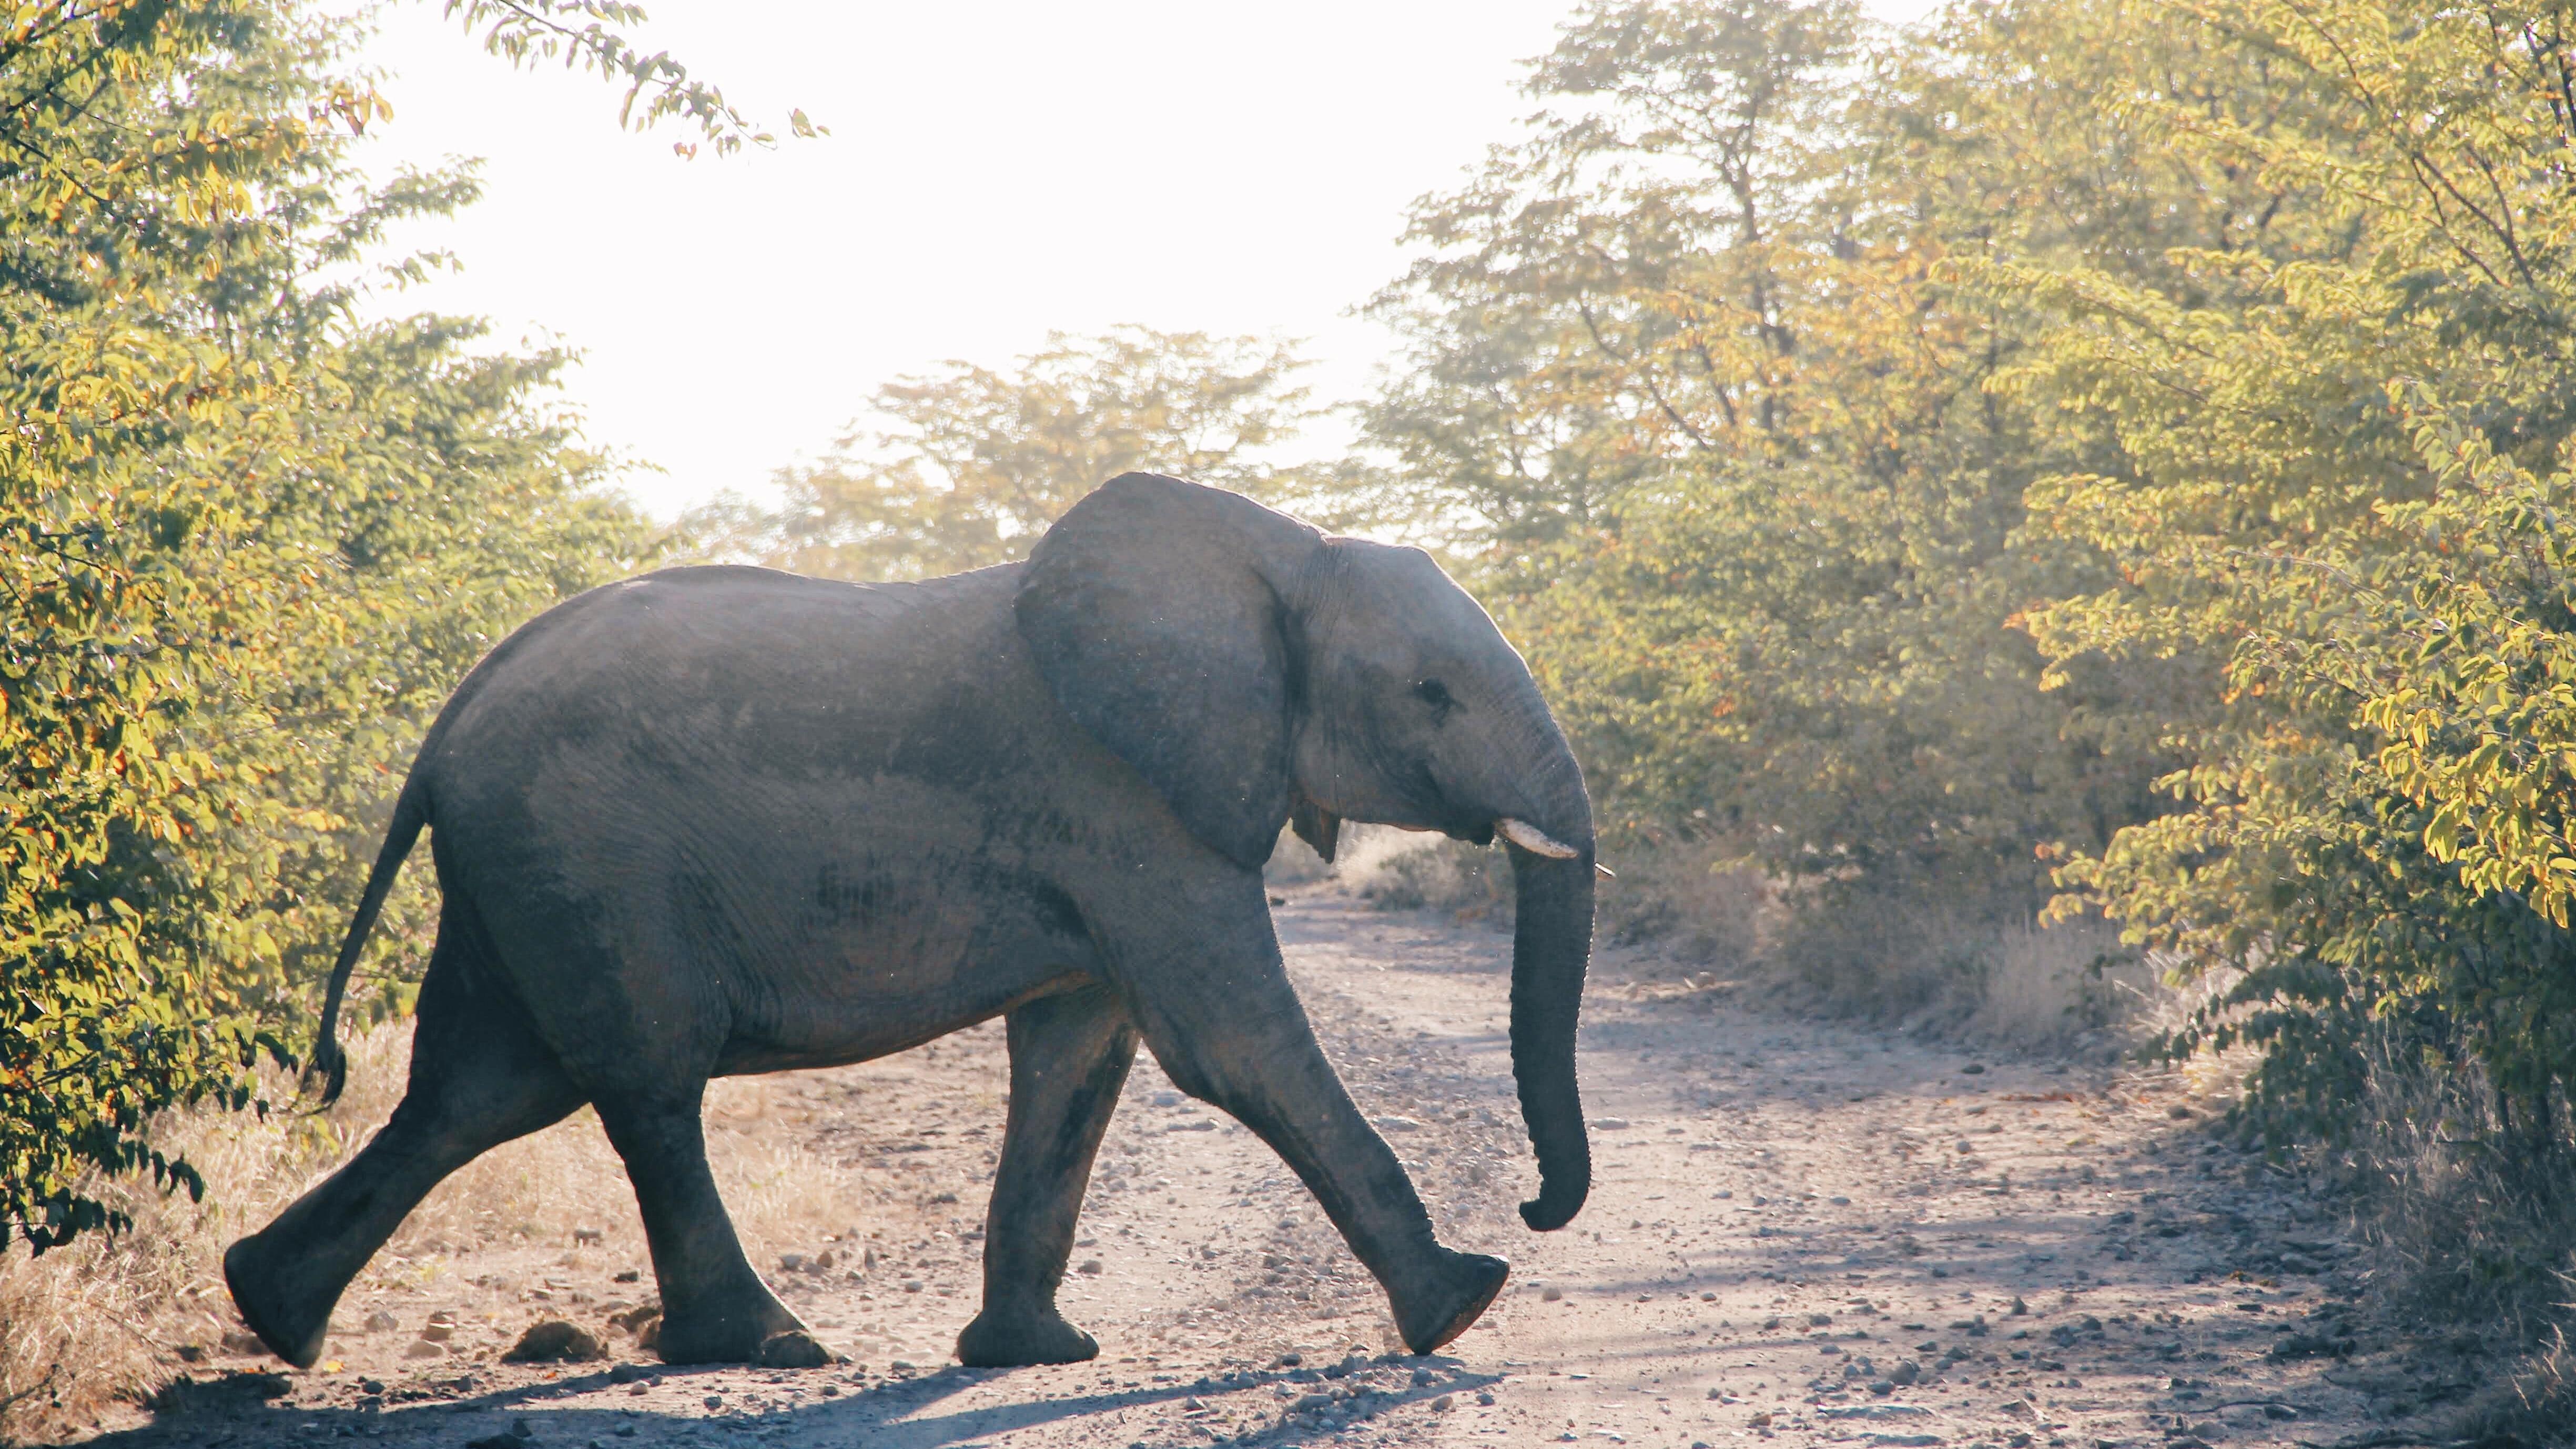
1152 612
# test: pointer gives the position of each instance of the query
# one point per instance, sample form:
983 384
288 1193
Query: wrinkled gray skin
713 821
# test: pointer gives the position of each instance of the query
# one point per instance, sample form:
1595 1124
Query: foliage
973 463
1686 363
2342 484
246 543
591 35
2115 446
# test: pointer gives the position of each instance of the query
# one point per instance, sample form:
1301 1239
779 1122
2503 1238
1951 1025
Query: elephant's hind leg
1069 1056
715 1309
479 1077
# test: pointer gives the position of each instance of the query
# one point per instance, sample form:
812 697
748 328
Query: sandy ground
1801 1233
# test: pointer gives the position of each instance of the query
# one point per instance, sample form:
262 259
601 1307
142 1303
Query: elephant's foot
287 1315
752 1331
1030 1336
1460 1290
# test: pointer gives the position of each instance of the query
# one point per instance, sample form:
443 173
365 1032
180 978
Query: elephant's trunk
1551 947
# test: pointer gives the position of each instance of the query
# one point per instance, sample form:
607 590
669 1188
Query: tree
246 543
591 35
2343 484
972 463
2128 436
1623 294
1689 363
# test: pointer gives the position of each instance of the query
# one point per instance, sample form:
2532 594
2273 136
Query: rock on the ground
556 1341
793 1350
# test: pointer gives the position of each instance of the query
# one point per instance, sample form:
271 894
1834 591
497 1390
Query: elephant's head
1251 668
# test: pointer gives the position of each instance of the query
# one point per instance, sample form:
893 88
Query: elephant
719 820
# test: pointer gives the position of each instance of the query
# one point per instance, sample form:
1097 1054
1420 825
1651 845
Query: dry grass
1696 902
2537 1405
1402 870
2459 1228
1934 965
1398 870
2464 1242
2066 987
2059 990
107 1321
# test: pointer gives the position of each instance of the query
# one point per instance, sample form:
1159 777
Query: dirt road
1800 1233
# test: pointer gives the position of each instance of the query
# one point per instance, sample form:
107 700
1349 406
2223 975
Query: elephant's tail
411 812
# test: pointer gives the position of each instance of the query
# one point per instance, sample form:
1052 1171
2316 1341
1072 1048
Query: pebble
556 1341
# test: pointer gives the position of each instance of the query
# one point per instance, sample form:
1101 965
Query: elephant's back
705 669
780 802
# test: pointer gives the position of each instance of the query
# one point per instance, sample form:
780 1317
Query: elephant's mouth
1519 832
1321 827
1534 840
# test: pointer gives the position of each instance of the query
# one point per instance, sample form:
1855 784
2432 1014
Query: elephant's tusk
1603 871
1534 840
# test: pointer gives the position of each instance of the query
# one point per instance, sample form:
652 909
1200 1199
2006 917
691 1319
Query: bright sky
997 168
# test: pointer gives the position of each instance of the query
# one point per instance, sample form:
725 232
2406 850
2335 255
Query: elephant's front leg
715 1309
1218 1010
1069 1056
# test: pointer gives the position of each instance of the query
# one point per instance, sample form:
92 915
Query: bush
2077 448
246 546
1693 386
2341 480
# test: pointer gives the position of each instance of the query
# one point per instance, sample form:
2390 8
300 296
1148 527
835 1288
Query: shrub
246 545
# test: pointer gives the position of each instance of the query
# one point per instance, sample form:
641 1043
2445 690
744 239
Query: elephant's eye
1435 694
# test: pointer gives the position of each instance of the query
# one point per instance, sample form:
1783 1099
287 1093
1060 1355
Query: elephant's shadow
887 1414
